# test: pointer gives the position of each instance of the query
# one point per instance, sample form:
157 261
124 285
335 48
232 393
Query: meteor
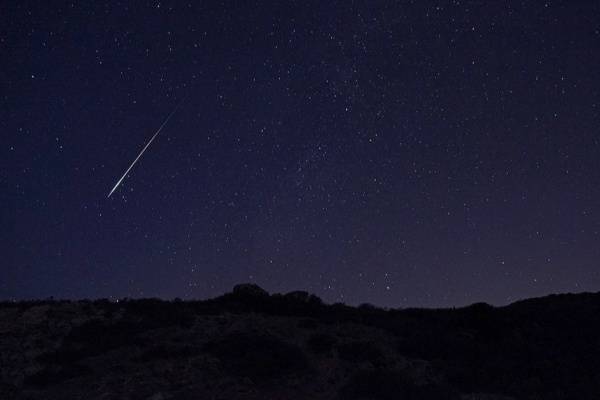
144 149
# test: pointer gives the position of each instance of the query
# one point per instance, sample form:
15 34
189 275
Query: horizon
113 299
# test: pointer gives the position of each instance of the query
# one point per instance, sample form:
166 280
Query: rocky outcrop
249 290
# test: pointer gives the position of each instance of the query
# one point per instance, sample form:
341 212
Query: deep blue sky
400 153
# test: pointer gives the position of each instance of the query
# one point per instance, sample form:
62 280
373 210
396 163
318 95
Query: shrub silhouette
308 323
155 313
258 356
53 375
360 351
391 385
300 296
167 352
368 307
321 343
93 338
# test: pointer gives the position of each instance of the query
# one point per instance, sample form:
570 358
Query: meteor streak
144 149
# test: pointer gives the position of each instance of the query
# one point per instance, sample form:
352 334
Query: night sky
398 153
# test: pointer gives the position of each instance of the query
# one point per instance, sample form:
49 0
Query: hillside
251 345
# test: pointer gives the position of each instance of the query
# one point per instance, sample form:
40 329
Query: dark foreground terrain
251 345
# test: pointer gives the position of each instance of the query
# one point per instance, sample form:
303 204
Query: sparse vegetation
392 385
360 351
56 374
542 348
321 343
93 338
258 356
167 352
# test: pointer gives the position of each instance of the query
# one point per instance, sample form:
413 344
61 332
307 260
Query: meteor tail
145 147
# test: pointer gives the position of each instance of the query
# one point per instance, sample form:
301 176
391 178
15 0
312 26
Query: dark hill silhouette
248 344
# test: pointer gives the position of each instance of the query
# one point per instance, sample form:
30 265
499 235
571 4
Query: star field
403 154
